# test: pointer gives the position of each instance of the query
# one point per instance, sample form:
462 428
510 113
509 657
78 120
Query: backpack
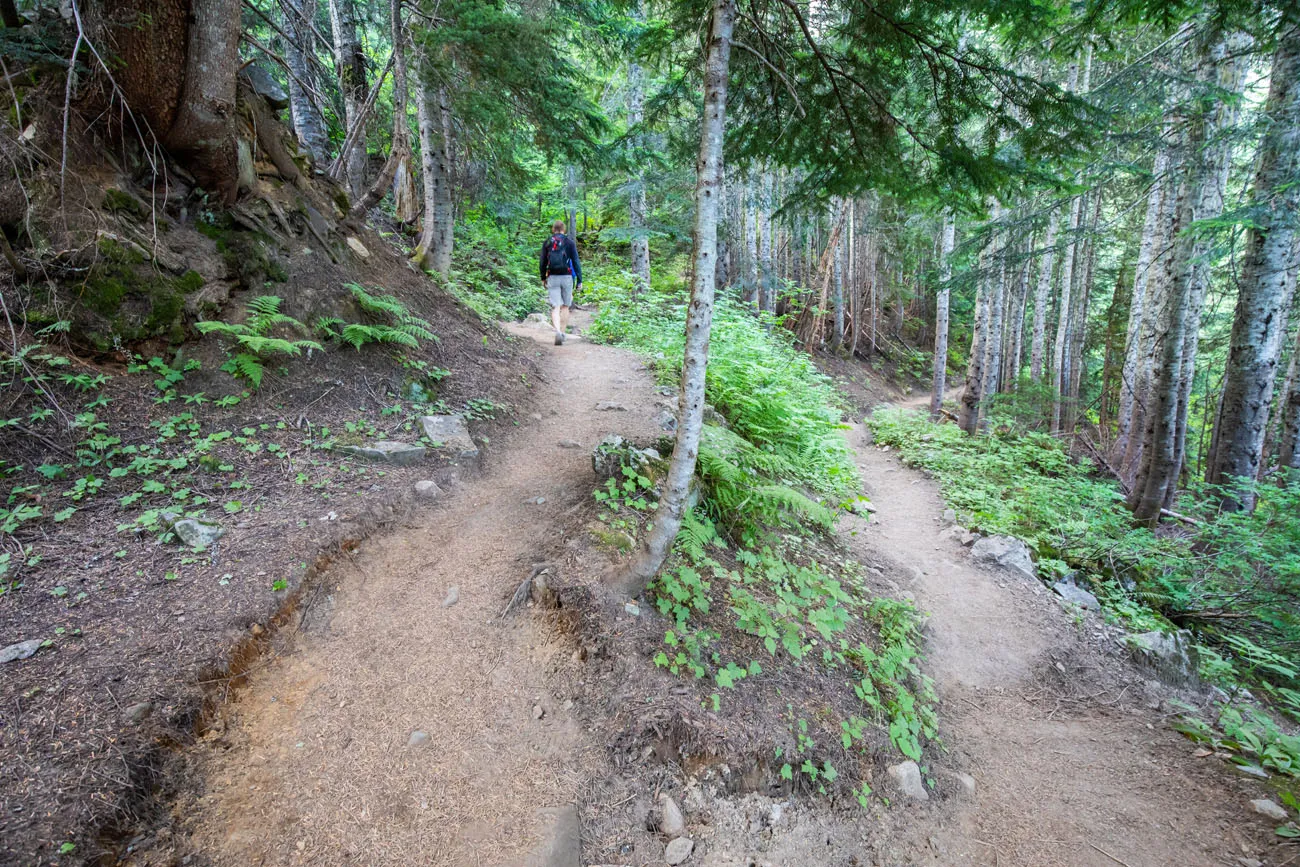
557 260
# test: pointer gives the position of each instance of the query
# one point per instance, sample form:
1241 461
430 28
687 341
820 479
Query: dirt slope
1071 765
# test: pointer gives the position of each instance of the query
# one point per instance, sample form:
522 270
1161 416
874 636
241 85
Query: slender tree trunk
752 280
699 317
307 120
1016 356
1266 287
1288 447
350 64
1061 358
1079 318
1042 297
435 247
1146 262
972 395
637 197
396 171
948 240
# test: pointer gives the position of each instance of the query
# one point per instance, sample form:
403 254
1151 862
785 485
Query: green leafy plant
391 322
255 340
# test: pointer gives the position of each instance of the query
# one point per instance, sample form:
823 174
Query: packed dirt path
1072 756
406 724
322 765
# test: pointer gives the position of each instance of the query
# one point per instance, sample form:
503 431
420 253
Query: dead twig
1110 856
524 590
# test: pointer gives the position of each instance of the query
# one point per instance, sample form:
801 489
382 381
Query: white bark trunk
350 66
435 247
307 120
947 240
1266 287
1042 297
637 211
699 317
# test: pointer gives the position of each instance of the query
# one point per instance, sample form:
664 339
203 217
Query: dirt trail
1074 762
1071 765
319 770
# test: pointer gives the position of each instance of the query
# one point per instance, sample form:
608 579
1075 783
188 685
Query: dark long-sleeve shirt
570 253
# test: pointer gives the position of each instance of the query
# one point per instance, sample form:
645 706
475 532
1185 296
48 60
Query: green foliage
1234 577
254 338
402 327
494 267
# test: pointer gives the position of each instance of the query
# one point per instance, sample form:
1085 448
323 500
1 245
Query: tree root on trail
525 590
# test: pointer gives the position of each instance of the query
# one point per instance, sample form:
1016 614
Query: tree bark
9 14
1079 318
307 120
752 280
947 240
1137 312
350 66
1042 296
396 171
1266 288
972 395
637 197
1288 451
992 364
1061 357
699 317
435 247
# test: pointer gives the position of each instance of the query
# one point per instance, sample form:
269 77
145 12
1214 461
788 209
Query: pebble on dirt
428 490
538 711
907 776
193 532
21 650
1269 809
671 821
417 739
679 850
453 596
138 713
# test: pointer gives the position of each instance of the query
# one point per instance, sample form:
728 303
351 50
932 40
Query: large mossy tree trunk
178 60
699 316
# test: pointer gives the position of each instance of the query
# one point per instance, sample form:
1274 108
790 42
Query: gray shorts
559 289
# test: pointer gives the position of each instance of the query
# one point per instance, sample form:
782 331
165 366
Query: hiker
560 274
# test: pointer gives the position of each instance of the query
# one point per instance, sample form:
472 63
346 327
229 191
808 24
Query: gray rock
632 609
453 596
401 454
21 650
677 851
610 406
949 516
671 821
713 417
195 532
1250 862
967 783
1269 810
968 538
666 421
1005 551
357 247
613 453
1076 596
570 444
1172 658
452 431
907 776
265 86
319 224
537 319
538 711
138 713
562 846
863 506
1252 771
428 490
417 739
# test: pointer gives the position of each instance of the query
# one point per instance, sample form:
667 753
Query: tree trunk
752 280
699 317
972 395
947 240
637 198
434 249
571 200
1146 262
1061 357
1042 296
307 120
396 172
1079 319
9 14
1288 447
1266 287
992 364
350 65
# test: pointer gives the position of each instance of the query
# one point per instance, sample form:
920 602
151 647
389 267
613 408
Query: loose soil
317 760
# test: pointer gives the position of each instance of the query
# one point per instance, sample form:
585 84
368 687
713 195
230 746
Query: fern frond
250 367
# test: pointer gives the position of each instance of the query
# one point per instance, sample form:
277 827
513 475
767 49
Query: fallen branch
1110 856
1186 519
524 590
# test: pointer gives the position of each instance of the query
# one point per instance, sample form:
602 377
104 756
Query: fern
402 327
254 340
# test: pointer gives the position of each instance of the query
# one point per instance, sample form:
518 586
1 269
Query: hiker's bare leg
559 319
564 319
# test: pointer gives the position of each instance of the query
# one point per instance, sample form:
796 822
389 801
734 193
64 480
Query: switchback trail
407 724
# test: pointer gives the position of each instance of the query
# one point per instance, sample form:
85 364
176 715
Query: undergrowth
755 592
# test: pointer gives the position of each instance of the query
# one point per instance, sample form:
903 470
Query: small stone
1076 596
610 406
679 850
667 421
256 629
632 608
401 454
949 516
194 532
538 711
452 432
428 490
138 713
453 596
1269 809
358 247
417 739
1252 771
570 444
1250 862
967 783
1006 551
671 821
21 650
568 704
907 776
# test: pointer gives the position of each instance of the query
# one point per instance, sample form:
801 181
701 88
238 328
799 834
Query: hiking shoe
559 339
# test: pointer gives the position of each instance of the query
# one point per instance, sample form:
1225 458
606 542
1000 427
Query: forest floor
405 722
